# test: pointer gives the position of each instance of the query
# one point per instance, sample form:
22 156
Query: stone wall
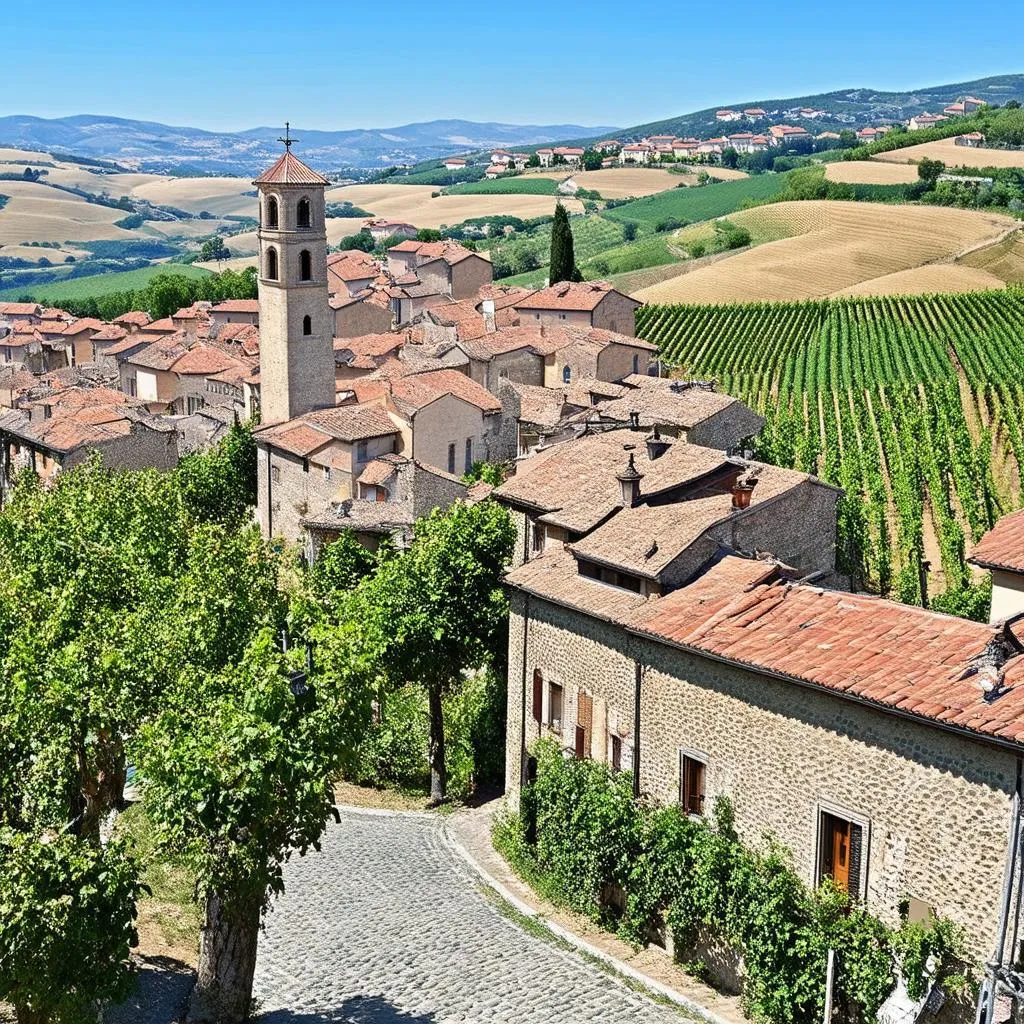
298 490
727 428
934 807
358 318
468 276
615 313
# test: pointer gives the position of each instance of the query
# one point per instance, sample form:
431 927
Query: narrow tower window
271 264
302 214
305 266
307 325
272 220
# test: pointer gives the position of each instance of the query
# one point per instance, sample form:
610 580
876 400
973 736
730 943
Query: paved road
386 927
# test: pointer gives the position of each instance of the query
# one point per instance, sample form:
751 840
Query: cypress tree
563 261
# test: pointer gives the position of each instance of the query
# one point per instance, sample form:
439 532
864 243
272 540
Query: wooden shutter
616 753
581 743
538 695
585 718
691 784
856 849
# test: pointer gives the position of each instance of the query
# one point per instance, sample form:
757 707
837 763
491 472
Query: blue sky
345 64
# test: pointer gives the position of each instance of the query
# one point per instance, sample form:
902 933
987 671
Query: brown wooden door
581 743
837 851
585 721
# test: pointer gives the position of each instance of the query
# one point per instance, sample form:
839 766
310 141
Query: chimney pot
742 489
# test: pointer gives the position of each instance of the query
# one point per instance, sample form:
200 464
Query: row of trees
141 618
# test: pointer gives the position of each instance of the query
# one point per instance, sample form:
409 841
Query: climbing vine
583 842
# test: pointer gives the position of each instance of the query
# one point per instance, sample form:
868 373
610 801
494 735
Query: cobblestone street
386 926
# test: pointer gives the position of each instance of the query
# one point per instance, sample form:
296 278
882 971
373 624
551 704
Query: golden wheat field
934 277
219 196
835 246
37 213
869 172
34 253
953 155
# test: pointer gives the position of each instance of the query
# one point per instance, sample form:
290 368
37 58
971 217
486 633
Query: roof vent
989 664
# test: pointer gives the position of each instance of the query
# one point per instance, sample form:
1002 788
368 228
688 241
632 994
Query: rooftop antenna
287 137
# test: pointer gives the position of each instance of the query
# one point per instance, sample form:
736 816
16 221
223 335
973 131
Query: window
195 403
616 754
536 536
327 472
272 218
307 326
566 374
305 266
555 706
133 387
636 363
584 726
538 695
271 273
469 454
692 768
302 214
840 845
451 458
275 474
561 316
361 451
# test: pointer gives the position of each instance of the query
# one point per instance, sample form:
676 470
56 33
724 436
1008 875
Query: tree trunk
102 780
227 961
438 772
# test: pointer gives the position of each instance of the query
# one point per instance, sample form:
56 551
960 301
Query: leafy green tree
534 161
562 259
929 170
67 922
239 768
629 231
592 160
219 484
214 249
428 235
440 609
493 473
363 241
730 158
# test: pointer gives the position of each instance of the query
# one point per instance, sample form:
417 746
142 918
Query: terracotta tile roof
202 360
136 318
1003 546
646 539
495 169
237 306
12 379
361 515
348 423
351 265
574 484
127 344
665 402
891 655
290 170
418 390
20 309
297 438
568 296
409 245
110 332
541 406
164 326
377 472
502 295
160 355
186 313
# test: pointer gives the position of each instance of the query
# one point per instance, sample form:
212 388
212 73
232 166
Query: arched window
302 214
305 266
271 272
307 326
566 374
272 218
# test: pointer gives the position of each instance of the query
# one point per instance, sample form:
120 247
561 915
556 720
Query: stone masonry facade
934 807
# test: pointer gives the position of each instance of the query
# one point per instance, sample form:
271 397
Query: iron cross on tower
287 138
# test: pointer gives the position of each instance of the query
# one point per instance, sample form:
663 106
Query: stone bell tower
296 326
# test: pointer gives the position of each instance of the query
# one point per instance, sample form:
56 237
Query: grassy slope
100 284
699 203
506 186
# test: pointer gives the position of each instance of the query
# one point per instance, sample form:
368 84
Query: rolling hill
171 149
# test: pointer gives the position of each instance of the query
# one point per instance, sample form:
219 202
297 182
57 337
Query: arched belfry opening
302 217
271 271
305 265
273 214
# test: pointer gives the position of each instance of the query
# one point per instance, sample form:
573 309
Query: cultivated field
927 280
219 196
622 182
34 253
101 284
868 172
912 405
36 213
842 244
953 155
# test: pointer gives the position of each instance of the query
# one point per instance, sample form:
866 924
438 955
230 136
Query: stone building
647 512
589 303
879 743
1001 551
296 325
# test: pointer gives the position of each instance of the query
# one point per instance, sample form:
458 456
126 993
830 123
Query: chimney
742 489
657 445
634 420
629 480
487 311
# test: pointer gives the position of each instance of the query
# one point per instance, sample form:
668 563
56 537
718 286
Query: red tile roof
137 318
237 306
416 391
582 297
290 170
1003 546
19 309
204 360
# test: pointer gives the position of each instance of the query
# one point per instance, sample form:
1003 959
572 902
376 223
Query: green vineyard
914 405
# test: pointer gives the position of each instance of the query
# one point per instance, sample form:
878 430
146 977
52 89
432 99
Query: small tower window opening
307 325
271 264
272 216
566 374
305 266
302 214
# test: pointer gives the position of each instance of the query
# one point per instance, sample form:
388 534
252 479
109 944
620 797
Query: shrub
580 835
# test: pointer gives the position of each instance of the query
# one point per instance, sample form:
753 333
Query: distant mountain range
176 150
